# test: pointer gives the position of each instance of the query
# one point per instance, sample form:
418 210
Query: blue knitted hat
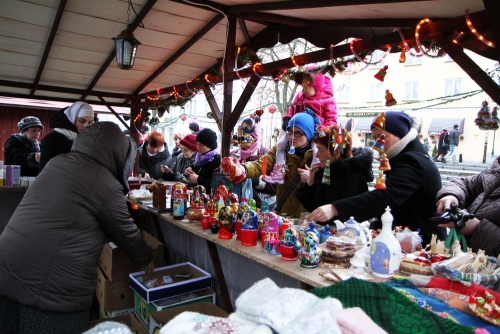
306 121
398 123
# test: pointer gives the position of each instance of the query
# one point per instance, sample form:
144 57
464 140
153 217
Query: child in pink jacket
317 96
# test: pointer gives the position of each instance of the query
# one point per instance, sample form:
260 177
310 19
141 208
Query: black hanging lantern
126 49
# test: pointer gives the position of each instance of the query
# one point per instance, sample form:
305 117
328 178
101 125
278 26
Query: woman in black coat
349 171
154 154
206 161
67 124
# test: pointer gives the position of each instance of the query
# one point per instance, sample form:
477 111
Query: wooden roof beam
142 14
300 4
244 30
48 46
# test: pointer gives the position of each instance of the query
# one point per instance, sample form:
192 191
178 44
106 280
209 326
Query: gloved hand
285 123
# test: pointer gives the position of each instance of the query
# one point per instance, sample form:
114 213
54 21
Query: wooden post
228 84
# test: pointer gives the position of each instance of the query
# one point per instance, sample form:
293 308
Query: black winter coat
56 143
152 164
480 195
205 172
348 177
178 167
19 150
412 185
50 248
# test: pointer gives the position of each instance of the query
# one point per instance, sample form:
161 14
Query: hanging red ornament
384 163
379 122
259 112
402 56
183 118
389 99
381 74
380 183
272 108
379 144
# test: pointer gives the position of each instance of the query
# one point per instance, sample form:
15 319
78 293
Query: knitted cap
189 141
29 122
208 138
398 123
194 127
304 121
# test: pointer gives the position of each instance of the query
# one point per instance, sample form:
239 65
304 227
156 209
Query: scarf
245 154
71 135
401 144
203 159
32 146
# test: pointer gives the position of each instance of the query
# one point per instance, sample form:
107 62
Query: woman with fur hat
317 96
341 172
22 148
67 124
294 155
175 172
154 154
251 149
411 184
206 161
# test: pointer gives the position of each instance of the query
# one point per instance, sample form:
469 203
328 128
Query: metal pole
493 146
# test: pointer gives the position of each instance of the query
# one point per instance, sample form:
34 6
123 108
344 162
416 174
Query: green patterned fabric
388 308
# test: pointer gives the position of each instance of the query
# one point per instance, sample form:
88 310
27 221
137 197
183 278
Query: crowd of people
87 167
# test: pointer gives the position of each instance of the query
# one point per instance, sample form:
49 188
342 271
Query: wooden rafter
48 45
114 112
300 4
217 115
244 30
142 14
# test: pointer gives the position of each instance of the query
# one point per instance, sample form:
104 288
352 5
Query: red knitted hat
189 141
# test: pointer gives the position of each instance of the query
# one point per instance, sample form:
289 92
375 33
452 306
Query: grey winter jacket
50 248
480 195
454 137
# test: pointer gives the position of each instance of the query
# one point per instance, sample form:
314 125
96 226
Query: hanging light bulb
402 56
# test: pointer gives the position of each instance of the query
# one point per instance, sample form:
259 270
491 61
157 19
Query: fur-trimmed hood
360 163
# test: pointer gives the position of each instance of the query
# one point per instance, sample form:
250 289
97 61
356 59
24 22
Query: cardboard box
197 279
143 309
159 319
113 295
130 320
115 313
116 265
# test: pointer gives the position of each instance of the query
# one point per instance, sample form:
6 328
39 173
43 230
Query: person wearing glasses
206 161
411 185
294 155
154 154
67 124
175 171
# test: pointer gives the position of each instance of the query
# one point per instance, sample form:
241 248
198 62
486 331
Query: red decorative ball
183 118
259 112
272 109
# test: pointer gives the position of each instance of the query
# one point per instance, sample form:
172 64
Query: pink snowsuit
322 103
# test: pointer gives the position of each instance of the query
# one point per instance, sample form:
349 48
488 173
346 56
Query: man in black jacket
411 184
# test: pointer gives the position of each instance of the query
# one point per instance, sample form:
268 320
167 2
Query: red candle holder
249 237
205 222
288 252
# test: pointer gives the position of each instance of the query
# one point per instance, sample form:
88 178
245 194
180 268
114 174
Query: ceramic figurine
325 234
252 204
285 224
379 122
312 228
379 144
210 208
225 223
249 228
381 74
221 190
289 245
241 209
354 230
274 245
310 253
231 167
385 254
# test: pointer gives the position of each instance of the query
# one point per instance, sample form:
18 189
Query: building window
411 90
343 94
369 141
452 87
413 60
376 56
376 93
